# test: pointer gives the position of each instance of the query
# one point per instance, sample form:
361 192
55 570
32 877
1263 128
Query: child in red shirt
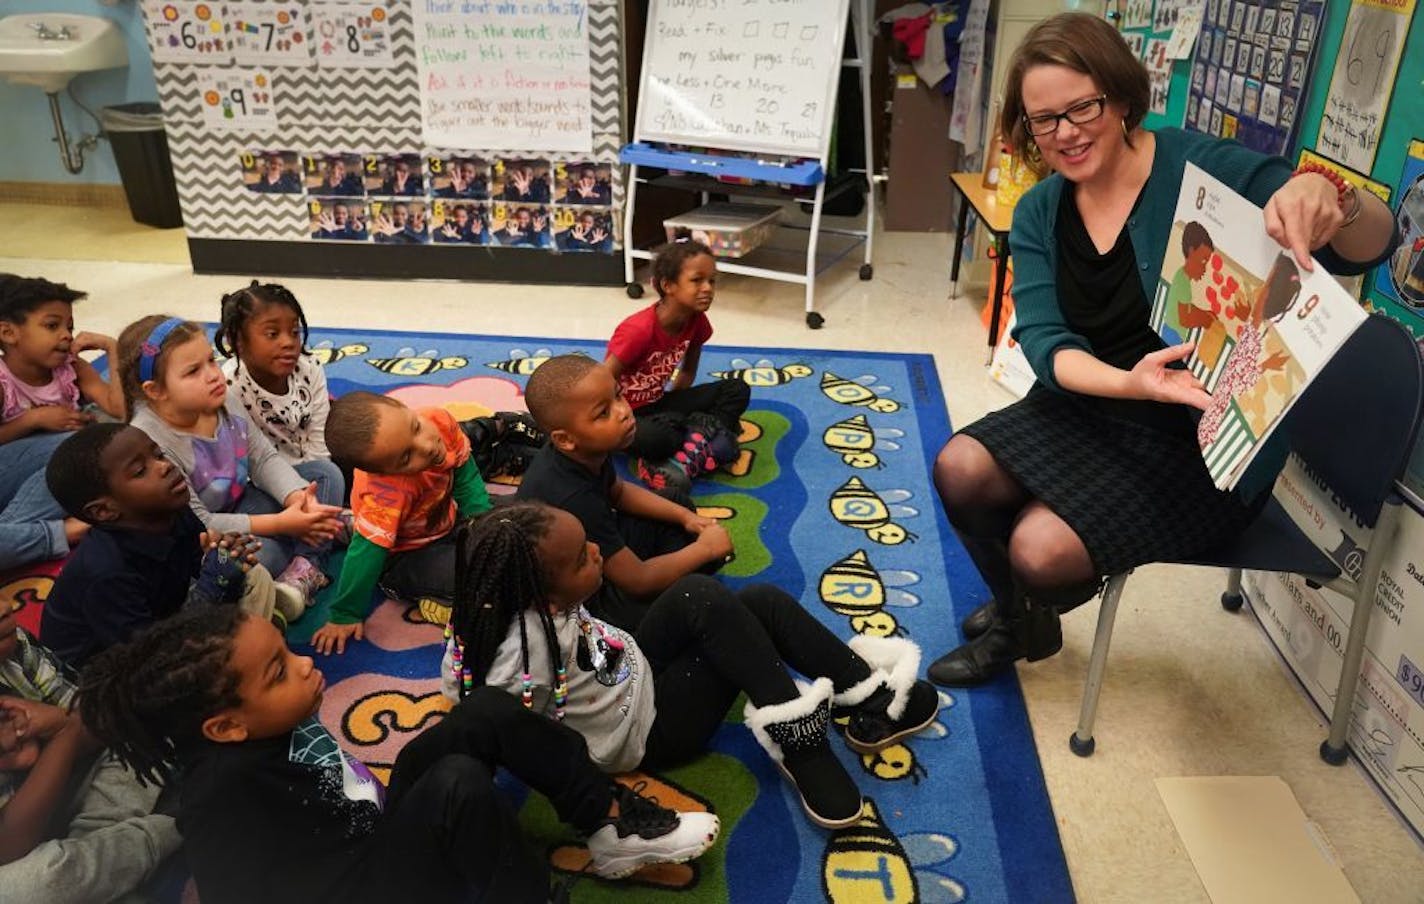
684 430
414 475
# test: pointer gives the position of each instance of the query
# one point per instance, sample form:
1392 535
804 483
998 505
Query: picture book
1262 326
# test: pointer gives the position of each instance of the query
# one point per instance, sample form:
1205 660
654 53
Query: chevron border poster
504 74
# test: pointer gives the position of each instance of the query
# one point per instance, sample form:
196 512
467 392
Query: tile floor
1190 689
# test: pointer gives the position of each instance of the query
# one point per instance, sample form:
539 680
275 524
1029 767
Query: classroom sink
48 49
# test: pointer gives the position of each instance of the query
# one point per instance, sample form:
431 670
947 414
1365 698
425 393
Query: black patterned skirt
1135 493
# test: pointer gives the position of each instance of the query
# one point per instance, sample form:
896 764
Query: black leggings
662 425
425 572
705 644
449 834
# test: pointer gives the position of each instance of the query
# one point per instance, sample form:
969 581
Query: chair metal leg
1231 600
1081 741
1335 748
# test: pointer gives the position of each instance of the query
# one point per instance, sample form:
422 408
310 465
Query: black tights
447 834
705 644
1018 544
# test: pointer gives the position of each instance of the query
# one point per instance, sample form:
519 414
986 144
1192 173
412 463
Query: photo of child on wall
520 226
583 229
584 182
338 219
397 175
397 221
460 223
463 178
334 176
522 181
271 172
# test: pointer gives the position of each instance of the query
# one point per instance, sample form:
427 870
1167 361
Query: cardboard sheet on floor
1252 843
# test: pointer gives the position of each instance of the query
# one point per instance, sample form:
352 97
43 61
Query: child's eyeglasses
1081 113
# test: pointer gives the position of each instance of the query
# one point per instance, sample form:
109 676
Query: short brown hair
131 342
550 385
1084 43
351 425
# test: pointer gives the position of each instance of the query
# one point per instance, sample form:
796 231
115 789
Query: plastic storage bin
135 132
730 230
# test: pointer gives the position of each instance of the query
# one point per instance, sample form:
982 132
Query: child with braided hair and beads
654 699
273 810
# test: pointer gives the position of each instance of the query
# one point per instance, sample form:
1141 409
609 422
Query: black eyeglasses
1081 113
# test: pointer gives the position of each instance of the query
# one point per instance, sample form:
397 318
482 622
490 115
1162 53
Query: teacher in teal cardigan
1098 469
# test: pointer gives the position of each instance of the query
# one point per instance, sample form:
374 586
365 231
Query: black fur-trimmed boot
892 703
794 735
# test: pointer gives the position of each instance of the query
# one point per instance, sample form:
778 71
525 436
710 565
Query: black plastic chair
1354 428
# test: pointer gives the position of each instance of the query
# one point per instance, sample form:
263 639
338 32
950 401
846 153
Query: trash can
135 132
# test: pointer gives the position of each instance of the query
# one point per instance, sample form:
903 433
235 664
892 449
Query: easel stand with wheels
796 253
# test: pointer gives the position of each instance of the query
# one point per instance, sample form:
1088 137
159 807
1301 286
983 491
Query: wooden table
997 220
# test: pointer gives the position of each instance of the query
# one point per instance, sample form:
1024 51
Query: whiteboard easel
760 77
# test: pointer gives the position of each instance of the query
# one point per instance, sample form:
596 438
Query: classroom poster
352 35
494 76
1363 81
186 31
965 115
1401 278
1310 626
274 33
237 100
1251 70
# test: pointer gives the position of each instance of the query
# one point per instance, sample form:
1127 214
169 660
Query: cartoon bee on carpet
897 762
861 392
866 862
855 588
762 373
409 363
522 363
324 352
856 505
856 442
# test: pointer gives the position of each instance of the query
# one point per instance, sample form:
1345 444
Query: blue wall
30 152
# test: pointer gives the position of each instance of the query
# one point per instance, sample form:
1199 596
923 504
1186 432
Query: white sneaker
290 601
645 832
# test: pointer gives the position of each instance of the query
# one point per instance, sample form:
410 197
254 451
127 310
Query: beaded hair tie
458 669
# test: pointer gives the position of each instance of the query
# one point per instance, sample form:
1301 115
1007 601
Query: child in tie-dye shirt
236 480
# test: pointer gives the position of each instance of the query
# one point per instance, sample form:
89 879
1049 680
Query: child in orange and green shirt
414 477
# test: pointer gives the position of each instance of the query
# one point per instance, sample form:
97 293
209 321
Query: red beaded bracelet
1342 187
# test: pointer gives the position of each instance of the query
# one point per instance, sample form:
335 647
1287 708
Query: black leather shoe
979 621
977 661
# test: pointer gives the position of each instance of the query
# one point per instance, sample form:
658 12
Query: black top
560 481
118 582
1102 301
259 826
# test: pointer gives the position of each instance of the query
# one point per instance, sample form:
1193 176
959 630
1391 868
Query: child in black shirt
272 809
147 554
647 542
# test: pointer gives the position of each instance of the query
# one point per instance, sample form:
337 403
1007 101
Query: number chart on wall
304 121
755 75
1251 71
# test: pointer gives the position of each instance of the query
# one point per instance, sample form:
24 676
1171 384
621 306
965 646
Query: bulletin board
1403 124
1253 69
755 75
311 138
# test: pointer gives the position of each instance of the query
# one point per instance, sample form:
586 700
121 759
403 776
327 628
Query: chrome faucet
45 33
